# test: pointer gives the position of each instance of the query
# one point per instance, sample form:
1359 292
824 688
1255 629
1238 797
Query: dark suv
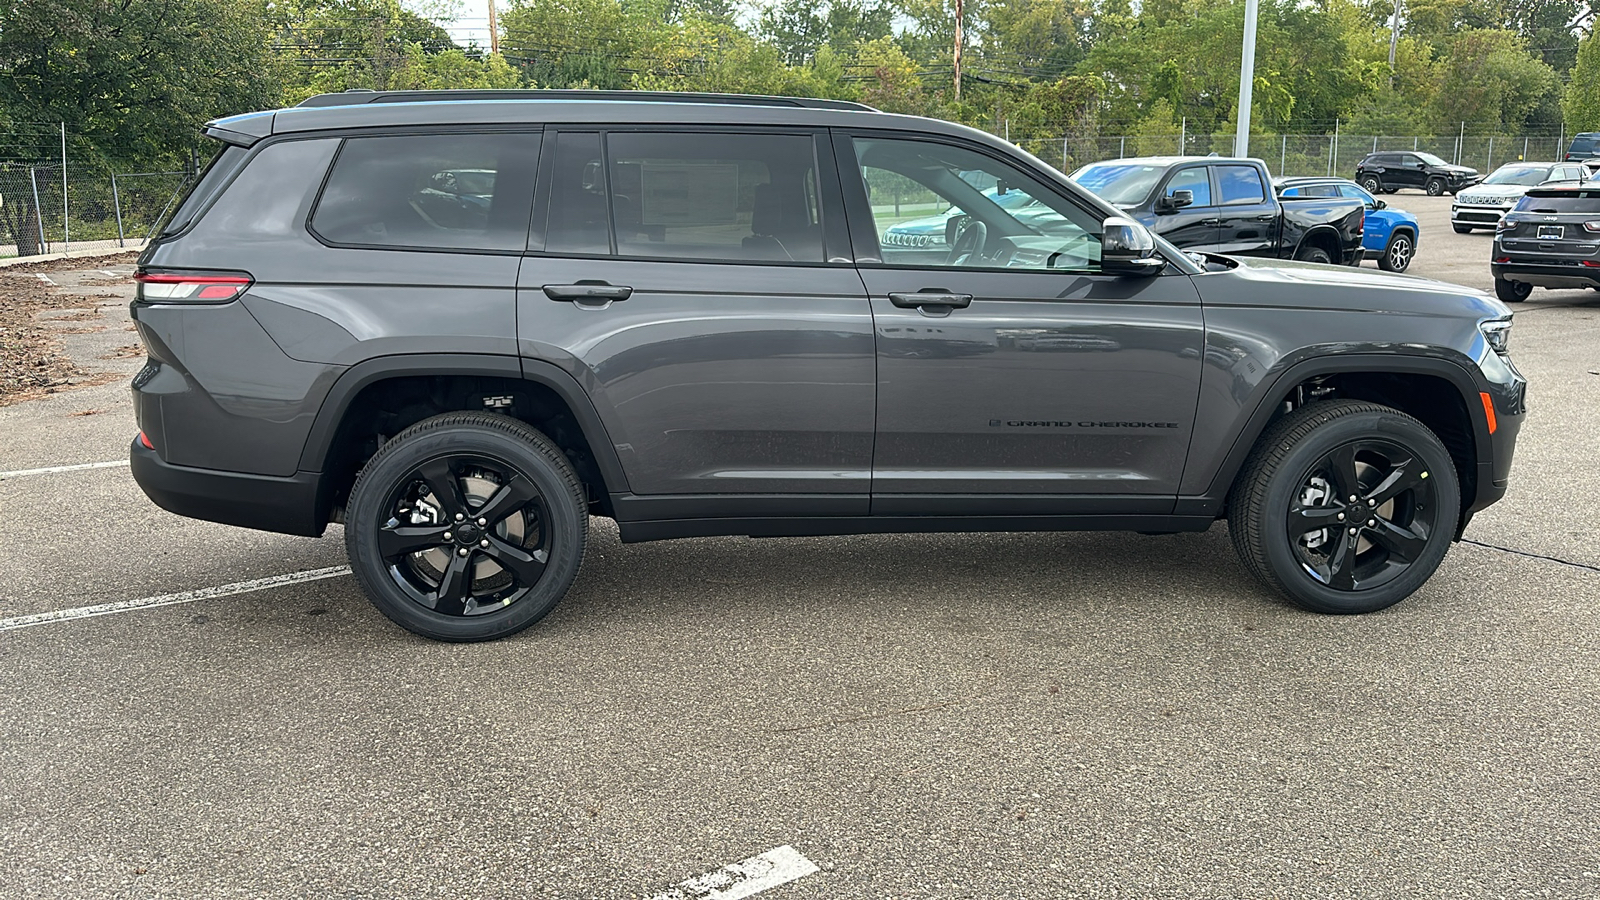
679 312
1550 239
1388 172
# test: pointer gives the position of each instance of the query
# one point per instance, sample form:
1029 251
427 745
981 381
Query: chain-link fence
1302 154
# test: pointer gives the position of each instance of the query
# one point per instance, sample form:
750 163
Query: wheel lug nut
1371 523
484 544
482 522
1341 518
1372 502
459 516
462 552
1352 531
1352 498
448 536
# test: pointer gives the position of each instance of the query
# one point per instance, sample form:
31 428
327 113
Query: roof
1174 160
360 96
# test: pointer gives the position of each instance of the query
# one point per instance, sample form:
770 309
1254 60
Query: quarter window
447 191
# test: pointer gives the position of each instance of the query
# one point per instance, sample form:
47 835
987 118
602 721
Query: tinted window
940 205
1240 184
1193 180
715 196
1355 193
1587 201
577 217
1123 184
1315 190
447 191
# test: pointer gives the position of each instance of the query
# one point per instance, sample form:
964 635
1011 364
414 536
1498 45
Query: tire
1371 184
1313 253
1512 291
1393 190
1461 229
420 549
1435 187
1397 256
1301 474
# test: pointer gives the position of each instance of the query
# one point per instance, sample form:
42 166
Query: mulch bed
32 360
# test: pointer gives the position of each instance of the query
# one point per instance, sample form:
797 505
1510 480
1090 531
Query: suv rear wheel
1345 507
1512 291
466 527
1371 184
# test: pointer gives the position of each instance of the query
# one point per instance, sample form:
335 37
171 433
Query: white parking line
745 878
111 273
51 470
211 593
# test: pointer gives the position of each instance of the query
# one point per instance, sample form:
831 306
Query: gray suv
462 323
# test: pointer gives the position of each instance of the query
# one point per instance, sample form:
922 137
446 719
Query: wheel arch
1390 380
554 394
1324 236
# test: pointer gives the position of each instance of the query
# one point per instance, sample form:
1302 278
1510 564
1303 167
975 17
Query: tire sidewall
1434 188
1307 254
1387 262
1371 184
566 522
1296 466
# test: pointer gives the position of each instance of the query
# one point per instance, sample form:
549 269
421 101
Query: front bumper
1485 216
287 505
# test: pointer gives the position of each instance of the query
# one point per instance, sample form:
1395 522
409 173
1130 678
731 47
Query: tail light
1506 224
188 287
1591 226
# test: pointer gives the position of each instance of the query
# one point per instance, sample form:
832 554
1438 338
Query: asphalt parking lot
954 716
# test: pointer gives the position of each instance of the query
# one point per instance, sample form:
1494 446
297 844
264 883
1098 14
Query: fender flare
1211 501
368 372
1314 233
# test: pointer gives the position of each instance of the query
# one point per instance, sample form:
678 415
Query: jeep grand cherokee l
680 312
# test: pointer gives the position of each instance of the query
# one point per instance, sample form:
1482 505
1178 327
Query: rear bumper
1547 276
286 505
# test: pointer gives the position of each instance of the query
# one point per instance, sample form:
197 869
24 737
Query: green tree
1580 105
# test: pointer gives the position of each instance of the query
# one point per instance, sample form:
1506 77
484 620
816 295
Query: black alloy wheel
1435 187
1345 507
466 527
1371 184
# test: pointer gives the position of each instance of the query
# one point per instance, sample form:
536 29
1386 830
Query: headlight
1497 334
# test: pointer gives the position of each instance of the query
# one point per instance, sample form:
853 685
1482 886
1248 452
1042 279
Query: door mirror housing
1382 205
1128 248
1175 201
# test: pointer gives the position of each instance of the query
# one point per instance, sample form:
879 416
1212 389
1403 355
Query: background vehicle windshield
1124 185
1523 175
1432 160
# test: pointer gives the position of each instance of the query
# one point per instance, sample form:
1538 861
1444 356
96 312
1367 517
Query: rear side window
198 189
1240 185
444 192
1316 190
715 196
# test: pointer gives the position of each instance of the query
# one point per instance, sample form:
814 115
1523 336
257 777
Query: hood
1344 287
1461 170
1492 194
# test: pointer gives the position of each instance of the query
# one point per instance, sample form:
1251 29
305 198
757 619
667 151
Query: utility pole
957 52
1394 37
1247 80
494 34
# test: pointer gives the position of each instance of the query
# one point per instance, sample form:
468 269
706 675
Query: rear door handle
588 292
931 298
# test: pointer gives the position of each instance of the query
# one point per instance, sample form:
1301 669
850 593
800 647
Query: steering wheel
969 242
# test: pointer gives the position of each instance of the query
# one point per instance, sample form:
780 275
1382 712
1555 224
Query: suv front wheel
466 527
1345 507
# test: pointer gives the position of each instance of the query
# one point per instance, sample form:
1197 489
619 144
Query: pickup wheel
1371 184
1345 507
1512 291
1435 187
466 527
1313 253
1397 256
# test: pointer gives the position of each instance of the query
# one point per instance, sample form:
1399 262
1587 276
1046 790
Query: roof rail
361 96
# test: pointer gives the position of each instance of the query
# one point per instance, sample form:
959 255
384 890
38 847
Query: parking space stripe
51 470
211 593
43 277
745 878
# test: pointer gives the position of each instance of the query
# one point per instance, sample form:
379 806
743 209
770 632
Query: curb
71 254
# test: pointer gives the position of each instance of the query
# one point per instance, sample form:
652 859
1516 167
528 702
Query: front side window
1240 185
736 197
1195 181
1353 192
446 191
941 205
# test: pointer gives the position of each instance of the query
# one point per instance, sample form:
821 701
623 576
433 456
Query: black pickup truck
1221 205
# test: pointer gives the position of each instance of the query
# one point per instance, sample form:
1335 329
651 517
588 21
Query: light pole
1247 80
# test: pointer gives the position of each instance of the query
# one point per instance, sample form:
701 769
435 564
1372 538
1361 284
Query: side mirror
1127 248
1175 201
1382 205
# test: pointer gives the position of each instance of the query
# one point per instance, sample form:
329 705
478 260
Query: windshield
1523 175
1432 160
1125 184
1575 202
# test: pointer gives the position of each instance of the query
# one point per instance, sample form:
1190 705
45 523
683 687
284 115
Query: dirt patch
82 262
32 361
129 351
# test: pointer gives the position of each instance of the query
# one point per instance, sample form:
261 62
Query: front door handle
929 297
588 292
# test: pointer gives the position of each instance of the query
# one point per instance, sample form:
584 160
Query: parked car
679 312
930 233
1483 204
1550 240
1585 144
1220 205
1390 236
1389 171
